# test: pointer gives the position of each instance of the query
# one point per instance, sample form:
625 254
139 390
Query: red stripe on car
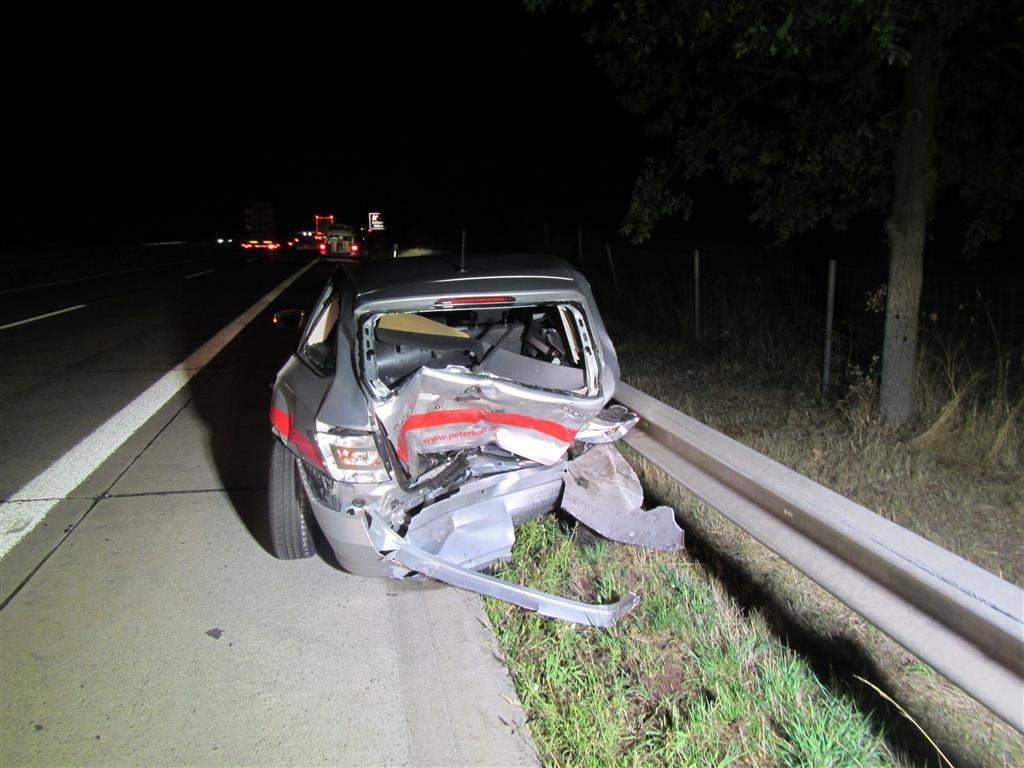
282 421
473 415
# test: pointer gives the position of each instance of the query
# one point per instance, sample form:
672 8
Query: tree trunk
913 193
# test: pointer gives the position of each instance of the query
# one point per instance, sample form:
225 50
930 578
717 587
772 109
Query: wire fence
712 292
696 284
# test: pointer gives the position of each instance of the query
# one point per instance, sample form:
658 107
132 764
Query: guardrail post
611 265
826 368
696 294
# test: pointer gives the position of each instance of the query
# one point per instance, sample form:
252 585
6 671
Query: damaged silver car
433 405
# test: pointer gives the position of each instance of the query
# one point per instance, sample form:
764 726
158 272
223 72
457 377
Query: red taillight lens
355 248
323 248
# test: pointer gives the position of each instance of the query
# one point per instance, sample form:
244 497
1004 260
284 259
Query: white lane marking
94 277
31 503
43 317
197 274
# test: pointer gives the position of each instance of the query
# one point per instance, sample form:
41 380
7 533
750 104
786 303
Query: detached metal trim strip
603 615
964 621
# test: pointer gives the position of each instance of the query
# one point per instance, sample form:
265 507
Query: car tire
291 520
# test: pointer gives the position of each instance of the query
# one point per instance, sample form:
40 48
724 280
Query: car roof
446 273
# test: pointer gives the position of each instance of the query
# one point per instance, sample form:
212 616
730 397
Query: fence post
696 293
611 265
826 369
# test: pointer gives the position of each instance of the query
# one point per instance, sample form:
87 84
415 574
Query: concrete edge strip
50 487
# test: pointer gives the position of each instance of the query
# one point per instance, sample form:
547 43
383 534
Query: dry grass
957 482
956 479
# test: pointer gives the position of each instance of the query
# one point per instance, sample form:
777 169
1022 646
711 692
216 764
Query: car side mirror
288 319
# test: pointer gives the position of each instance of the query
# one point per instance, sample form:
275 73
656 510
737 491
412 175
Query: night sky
467 114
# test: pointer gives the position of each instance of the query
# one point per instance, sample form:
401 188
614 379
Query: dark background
443 116
158 124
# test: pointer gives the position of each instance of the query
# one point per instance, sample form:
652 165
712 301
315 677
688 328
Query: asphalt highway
143 620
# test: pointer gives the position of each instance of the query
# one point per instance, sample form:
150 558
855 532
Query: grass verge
690 678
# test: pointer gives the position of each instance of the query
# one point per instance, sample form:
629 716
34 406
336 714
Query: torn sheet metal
609 425
438 414
603 492
416 559
474 527
441 410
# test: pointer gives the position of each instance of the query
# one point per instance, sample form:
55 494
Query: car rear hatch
486 392
450 366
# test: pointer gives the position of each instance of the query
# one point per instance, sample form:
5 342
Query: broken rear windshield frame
542 345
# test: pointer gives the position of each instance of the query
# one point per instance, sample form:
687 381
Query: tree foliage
824 111
800 103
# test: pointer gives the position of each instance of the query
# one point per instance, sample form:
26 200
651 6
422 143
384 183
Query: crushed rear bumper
451 540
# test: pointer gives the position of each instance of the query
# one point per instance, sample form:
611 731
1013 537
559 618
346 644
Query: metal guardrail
964 621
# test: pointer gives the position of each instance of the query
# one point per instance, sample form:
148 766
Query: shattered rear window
546 346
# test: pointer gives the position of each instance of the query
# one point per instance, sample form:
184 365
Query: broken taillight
352 458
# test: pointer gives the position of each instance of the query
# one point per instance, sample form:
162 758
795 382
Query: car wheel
291 520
